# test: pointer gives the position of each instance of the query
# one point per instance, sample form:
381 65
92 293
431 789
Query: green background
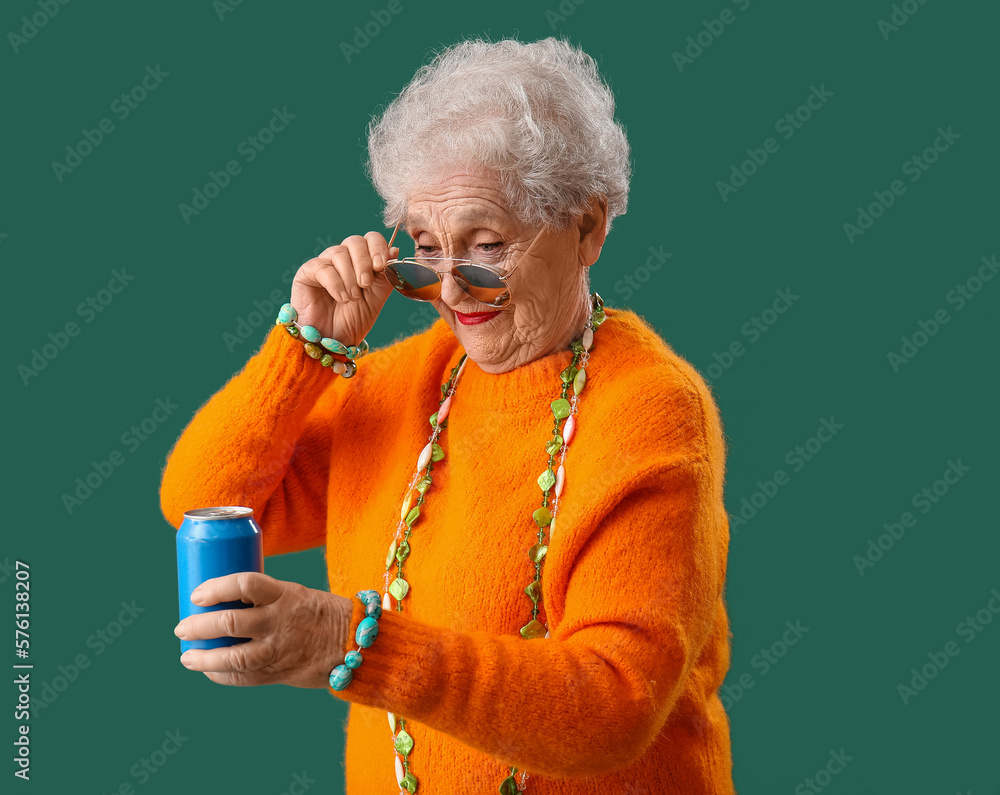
689 124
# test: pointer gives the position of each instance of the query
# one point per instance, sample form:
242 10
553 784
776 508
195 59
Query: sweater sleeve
260 443
641 596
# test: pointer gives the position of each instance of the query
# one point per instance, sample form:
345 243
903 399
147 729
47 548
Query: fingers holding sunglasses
359 260
329 273
340 291
354 265
321 295
380 253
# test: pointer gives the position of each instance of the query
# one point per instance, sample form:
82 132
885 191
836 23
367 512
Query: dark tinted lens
481 284
414 281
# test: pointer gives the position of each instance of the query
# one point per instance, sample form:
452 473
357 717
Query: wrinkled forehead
436 218
458 202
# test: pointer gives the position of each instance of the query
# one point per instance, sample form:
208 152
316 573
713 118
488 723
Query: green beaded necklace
549 481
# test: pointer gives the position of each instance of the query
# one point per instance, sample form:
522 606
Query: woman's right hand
342 291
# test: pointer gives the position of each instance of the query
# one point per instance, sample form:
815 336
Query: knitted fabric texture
623 696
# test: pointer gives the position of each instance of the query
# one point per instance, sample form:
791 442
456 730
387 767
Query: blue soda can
212 542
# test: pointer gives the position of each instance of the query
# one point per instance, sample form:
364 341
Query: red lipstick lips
475 318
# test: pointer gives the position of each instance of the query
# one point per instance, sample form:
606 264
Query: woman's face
464 216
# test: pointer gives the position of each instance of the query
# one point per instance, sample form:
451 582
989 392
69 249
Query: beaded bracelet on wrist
340 677
329 352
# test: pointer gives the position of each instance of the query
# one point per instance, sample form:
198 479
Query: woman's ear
593 226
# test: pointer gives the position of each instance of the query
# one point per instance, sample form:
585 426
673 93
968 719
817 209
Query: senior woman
521 505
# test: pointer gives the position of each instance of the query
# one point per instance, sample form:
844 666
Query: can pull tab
220 512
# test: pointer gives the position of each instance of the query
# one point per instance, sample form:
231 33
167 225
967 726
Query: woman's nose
451 293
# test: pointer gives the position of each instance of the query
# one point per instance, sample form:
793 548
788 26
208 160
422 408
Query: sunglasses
415 278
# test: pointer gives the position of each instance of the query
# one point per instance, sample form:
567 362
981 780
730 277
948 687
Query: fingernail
179 631
186 658
196 595
379 262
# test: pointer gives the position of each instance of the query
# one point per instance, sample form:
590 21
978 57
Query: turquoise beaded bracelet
340 677
335 350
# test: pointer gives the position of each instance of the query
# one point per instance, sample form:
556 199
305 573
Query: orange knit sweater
622 697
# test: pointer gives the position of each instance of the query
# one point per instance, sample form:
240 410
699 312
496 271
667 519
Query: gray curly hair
538 114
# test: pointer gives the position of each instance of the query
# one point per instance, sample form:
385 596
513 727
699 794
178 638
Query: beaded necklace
549 481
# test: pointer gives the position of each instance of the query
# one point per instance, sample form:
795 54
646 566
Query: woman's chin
484 347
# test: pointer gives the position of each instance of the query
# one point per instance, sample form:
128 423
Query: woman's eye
426 249
491 248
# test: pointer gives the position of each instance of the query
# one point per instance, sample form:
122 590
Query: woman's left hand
297 634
